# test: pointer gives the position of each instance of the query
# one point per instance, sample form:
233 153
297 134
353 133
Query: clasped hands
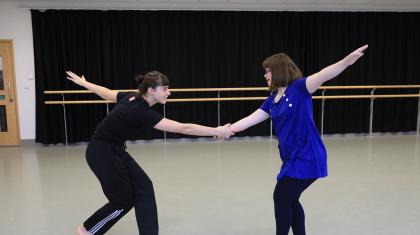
226 131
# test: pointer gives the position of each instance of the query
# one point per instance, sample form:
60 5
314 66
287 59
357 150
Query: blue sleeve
266 106
301 86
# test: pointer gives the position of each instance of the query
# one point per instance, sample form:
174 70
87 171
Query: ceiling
236 5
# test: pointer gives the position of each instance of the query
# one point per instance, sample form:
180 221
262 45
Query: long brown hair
283 70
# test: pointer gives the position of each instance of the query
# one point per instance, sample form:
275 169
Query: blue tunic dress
301 149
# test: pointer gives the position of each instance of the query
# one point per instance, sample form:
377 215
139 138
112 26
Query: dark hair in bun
151 79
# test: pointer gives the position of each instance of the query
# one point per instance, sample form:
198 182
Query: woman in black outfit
123 181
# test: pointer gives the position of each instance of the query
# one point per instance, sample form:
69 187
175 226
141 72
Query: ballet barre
323 97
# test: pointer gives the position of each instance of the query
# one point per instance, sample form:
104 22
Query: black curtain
221 49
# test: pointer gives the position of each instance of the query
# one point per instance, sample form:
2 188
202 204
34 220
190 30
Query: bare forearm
192 129
332 71
198 130
101 91
316 80
242 124
251 120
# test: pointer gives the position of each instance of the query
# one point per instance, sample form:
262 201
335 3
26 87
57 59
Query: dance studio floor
219 188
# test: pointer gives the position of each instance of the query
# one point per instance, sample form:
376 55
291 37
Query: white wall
16 24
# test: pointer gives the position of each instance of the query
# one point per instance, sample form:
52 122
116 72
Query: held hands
224 131
355 55
75 78
227 131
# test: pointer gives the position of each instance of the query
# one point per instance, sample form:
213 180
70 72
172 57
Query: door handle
10 94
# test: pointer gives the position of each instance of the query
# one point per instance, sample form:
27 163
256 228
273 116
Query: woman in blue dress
301 149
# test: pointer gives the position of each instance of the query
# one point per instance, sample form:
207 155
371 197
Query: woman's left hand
75 78
355 55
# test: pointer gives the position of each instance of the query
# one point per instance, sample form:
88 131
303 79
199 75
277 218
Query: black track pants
125 185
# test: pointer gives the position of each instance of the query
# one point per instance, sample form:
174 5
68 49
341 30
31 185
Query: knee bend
283 201
125 202
126 206
146 188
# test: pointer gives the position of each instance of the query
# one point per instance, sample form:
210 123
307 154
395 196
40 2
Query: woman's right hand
224 131
75 78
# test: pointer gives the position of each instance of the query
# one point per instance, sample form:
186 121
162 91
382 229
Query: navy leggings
288 210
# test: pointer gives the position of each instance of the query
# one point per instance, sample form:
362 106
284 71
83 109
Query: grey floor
219 188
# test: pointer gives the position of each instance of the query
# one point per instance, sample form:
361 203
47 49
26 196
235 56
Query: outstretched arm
253 119
103 92
193 129
316 80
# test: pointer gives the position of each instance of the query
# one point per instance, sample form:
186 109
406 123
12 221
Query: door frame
9 43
